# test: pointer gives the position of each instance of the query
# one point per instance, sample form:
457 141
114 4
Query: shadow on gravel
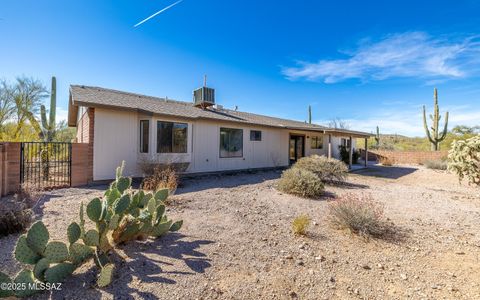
227 180
385 172
146 264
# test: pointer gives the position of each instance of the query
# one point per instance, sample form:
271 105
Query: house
202 136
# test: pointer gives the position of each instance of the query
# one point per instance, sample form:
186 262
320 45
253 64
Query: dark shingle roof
101 97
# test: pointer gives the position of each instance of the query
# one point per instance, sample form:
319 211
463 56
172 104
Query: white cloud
62 114
410 54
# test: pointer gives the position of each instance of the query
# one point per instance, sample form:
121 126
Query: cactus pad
123 183
94 209
56 252
91 238
79 253
114 221
119 170
152 206
159 213
121 205
24 254
112 196
161 228
40 268
25 277
161 195
73 232
4 278
37 237
106 275
176 226
59 272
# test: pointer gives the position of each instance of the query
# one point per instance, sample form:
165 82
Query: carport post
329 146
350 153
366 152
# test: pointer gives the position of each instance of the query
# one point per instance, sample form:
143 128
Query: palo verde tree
433 134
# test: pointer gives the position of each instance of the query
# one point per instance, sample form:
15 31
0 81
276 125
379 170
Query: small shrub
162 177
387 161
300 225
464 159
436 164
327 169
14 220
360 215
301 182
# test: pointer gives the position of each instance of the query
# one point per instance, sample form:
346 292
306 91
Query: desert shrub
301 182
162 177
359 214
464 159
327 169
386 161
15 219
300 225
345 155
121 215
437 164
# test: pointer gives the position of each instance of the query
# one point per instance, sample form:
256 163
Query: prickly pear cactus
121 215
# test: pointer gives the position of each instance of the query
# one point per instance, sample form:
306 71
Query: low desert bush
300 225
162 177
387 161
301 182
327 169
437 164
359 214
15 219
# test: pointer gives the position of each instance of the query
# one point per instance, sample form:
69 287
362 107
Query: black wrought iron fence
46 165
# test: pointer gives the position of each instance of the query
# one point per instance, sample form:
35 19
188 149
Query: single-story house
201 134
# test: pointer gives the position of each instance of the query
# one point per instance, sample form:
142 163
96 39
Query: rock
460 253
320 258
289 256
299 262
332 279
366 267
403 276
302 246
380 266
292 294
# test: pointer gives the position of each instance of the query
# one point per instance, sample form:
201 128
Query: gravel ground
237 243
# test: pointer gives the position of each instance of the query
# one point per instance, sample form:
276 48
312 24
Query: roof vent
204 96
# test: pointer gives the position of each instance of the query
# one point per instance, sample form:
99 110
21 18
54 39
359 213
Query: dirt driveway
236 243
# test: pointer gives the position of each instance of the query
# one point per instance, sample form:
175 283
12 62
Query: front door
296 148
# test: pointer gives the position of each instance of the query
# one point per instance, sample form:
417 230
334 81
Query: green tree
28 94
7 106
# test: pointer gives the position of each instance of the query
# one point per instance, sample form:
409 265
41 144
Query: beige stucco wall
117 138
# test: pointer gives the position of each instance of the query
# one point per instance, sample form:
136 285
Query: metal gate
46 165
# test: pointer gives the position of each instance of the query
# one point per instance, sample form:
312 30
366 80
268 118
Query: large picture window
316 142
231 142
171 137
144 135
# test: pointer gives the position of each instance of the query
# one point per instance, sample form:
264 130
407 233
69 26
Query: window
144 135
316 142
231 142
255 135
171 137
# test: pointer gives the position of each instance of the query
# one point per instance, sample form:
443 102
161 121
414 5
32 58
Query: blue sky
368 62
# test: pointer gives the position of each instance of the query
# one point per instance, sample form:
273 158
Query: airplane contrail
157 13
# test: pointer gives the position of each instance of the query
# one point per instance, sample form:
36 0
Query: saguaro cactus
377 137
309 114
433 134
48 127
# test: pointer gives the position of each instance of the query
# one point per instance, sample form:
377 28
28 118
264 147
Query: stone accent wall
405 157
